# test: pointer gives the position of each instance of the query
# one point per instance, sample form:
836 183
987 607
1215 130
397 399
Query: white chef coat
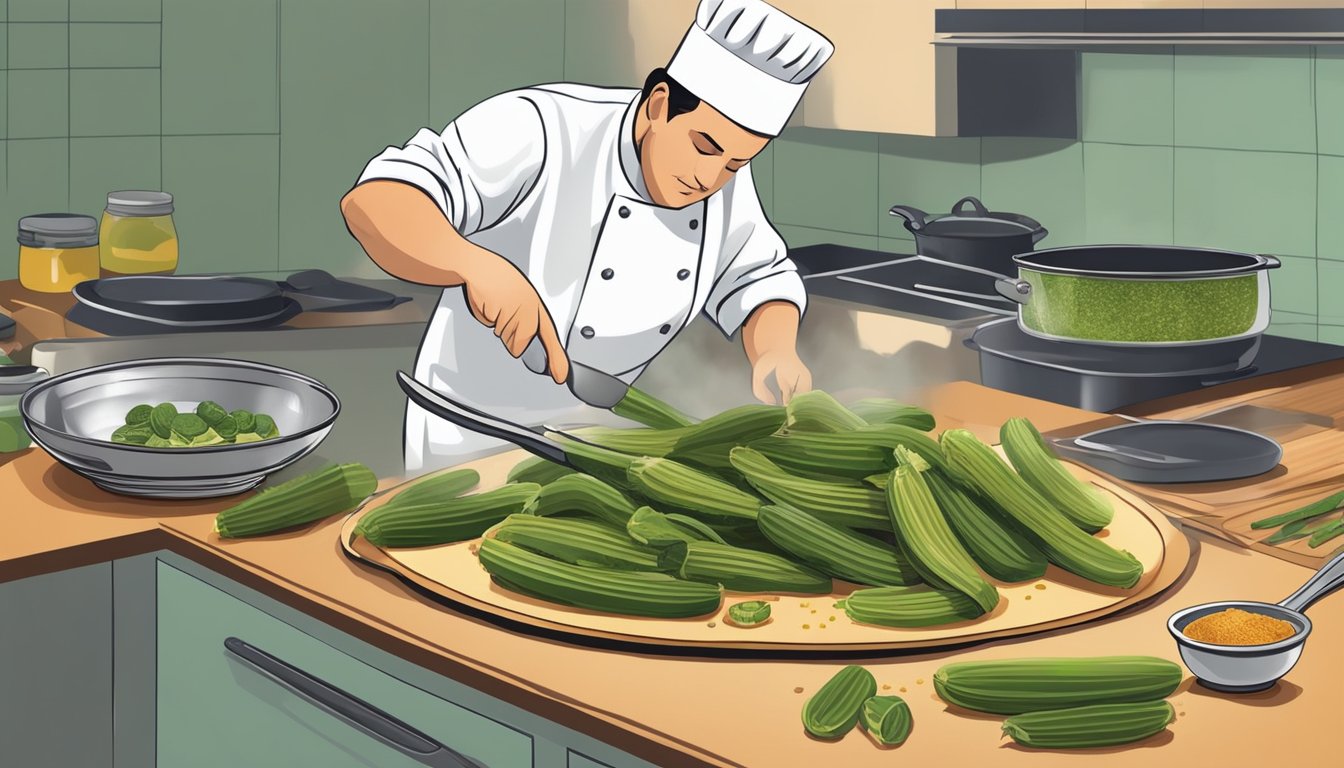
548 177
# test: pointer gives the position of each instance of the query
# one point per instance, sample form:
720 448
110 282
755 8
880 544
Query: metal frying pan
1174 452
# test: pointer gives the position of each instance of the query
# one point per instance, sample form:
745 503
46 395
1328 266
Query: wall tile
39 10
896 245
599 49
37 177
1128 193
4 45
1263 202
763 173
931 174
1259 102
226 197
1330 278
38 46
1295 327
1330 205
1040 178
102 165
207 86
116 10
1330 100
827 179
797 237
380 52
114 45
1330 334
114 102
1127 98
4 104
479 48
38 104
9 219
1292 287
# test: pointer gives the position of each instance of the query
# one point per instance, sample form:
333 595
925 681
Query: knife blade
478 421
593 387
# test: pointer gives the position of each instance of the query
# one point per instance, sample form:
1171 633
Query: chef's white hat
750 61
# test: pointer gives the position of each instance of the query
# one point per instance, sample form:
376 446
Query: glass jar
14 381
57 251
137 236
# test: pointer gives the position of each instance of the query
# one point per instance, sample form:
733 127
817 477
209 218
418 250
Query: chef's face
689 157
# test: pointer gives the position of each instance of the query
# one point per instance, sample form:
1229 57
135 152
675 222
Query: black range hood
1001 28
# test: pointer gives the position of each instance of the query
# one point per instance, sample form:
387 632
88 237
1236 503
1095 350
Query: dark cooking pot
977 238
1140 295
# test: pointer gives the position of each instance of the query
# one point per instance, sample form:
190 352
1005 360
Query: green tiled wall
259 114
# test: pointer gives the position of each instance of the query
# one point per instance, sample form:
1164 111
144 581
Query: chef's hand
791 377
502 298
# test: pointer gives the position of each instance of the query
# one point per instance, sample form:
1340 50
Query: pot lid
969 218
139 202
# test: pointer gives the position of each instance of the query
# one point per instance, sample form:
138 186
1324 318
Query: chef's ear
656 103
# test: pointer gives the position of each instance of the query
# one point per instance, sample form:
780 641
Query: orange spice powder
1234 626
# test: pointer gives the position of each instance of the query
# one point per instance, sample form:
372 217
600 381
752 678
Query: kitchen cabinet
56 668
886 74
214 709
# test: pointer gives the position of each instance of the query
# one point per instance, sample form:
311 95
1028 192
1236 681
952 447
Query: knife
593 387
465 416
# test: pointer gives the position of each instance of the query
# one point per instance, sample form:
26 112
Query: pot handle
980 210
1271 262
1018 291
914 218
1039 235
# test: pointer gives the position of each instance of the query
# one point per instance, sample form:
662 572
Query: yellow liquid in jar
138 245
56 270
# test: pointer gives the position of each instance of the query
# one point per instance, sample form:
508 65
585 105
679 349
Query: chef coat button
587 332
608 273
624 212
683 274
666 327
695 224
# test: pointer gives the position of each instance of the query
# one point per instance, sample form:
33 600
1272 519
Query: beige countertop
691 711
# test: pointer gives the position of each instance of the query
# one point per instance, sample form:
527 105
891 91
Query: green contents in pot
1108 309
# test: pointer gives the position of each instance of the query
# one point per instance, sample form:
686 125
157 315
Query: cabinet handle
362 715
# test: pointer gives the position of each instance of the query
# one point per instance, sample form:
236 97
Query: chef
569 221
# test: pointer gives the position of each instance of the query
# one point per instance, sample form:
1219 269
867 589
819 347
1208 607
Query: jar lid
139 202
58 230
17 379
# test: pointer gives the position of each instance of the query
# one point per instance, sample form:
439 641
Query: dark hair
679 100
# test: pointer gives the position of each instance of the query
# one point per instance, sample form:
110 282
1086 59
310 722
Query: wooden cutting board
1306 417
799 624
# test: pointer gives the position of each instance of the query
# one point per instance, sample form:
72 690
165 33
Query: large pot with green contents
1140 295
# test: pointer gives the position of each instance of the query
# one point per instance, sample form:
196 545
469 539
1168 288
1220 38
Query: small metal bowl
72 417
1250 668
1240 668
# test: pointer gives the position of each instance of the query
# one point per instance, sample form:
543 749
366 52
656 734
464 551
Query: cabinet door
56 668
215 710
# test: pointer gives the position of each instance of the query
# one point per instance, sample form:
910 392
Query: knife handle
534 357
357 712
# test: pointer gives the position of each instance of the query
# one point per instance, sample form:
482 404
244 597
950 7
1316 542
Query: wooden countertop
690 711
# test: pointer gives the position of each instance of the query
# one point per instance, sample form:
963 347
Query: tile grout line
1316 212
69 107
1173 145
161 189
279 141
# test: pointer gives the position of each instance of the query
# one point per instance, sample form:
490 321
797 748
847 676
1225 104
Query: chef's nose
705 170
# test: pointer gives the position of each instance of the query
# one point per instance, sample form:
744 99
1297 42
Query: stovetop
901 282
1010 359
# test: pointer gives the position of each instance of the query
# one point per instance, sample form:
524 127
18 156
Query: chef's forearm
406 234
772 327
